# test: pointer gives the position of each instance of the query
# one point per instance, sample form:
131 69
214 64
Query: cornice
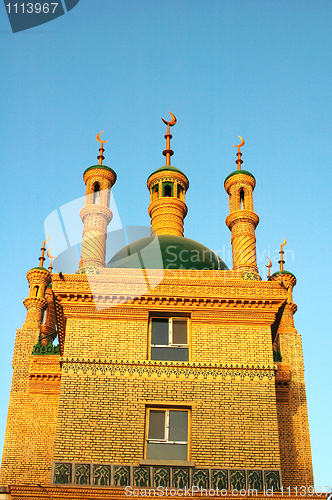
242 216
166 176
239 178
96 209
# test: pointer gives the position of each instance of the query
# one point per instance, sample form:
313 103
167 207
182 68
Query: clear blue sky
256 68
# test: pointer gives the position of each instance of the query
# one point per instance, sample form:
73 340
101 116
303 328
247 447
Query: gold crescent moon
171 123
239 145
270 262
48 254
48 239
284 243
99 139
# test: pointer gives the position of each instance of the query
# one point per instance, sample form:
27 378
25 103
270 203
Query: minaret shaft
96 215
242 220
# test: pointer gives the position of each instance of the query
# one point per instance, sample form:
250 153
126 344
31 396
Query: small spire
168 152
101 149
51 257
281 261
269 266
239 154
43 248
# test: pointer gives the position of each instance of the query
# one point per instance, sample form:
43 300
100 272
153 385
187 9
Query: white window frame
170 331
167 428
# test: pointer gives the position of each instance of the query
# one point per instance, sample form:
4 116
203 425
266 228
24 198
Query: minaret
242 220
39 278
168 187
292 412
96 213
48 329
288 281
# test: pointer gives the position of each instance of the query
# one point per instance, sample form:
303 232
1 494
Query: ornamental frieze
185 370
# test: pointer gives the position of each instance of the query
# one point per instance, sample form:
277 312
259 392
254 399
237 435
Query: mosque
161 370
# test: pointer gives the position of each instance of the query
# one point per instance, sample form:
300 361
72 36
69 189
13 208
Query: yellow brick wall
217 342
295 450
211 340
31 422
102 419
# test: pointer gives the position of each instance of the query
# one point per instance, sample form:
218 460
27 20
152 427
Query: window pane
179 332
157 424
178 425
159 331
170 353
166 451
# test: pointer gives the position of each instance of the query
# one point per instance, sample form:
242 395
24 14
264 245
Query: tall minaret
168 187
96 213
242 220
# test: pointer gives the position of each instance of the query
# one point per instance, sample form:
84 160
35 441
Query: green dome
40 269
100 166
236 172
168 167
166 251
282 272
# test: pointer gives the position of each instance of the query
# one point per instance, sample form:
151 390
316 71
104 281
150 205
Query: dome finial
239 154
168 152
43 248
269 266
281 261
51 257
101 149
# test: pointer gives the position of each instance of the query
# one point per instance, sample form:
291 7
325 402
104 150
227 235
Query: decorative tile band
122 475
150 368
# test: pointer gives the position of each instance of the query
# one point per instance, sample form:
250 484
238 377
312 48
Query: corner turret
39 278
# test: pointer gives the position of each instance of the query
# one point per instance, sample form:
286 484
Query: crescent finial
51 257
281 261
239 154
101 149
239 145
270 262
48 254
99 139
269 266
172 122
43 248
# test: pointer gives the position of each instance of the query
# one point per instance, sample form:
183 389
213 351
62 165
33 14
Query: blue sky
255 68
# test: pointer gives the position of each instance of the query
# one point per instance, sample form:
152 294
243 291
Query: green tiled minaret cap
39 269
104 167
236 172
168 167
277 273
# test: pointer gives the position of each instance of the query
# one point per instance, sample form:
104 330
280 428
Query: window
168 189
167 434
180 192
169 339
155 192
96 194
241 199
